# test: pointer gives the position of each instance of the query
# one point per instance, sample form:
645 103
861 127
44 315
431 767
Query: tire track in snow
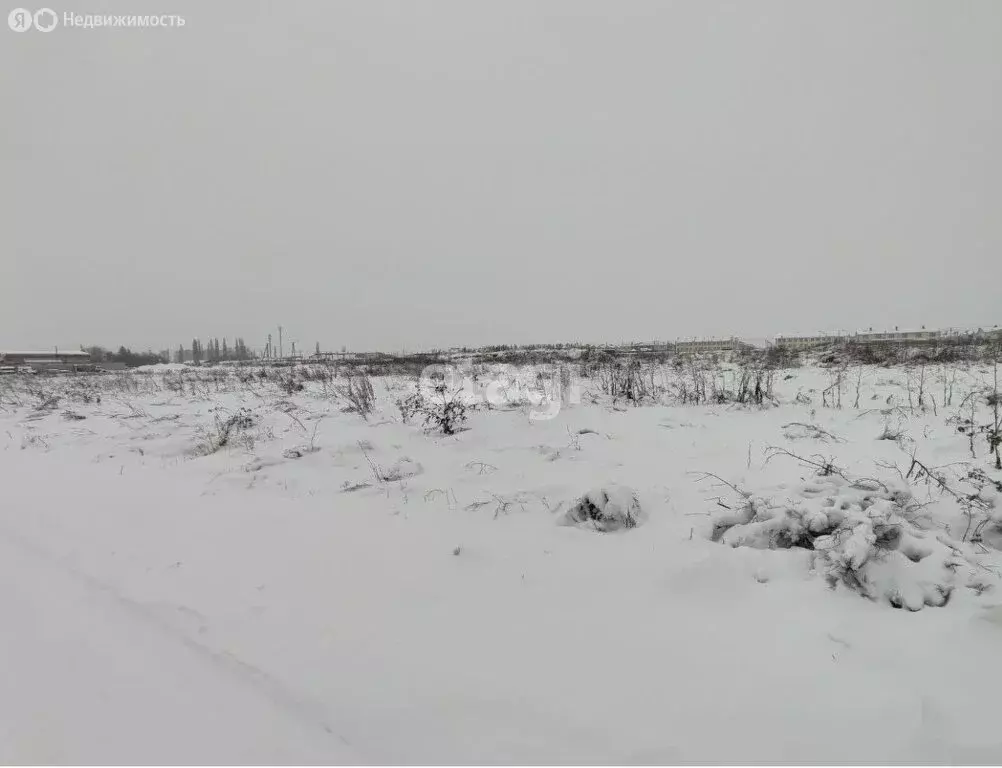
299 707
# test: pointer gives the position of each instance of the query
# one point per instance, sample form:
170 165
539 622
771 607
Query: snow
162 367
93 676
325 588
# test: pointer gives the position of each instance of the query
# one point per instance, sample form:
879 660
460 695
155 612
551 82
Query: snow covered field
326 588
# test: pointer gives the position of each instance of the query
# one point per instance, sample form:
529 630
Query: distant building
336 357
809 342
921 336
897 337
695 346
46 361
983 334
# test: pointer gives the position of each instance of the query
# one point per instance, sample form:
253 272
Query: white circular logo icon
45 20
19 19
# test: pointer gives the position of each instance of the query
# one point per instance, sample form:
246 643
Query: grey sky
427 173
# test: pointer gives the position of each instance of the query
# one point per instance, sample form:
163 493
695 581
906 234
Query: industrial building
897 337
696 346
46 361
808 342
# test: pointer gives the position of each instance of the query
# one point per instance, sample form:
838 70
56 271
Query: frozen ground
402 596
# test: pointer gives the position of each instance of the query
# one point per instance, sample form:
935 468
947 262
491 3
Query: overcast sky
429 173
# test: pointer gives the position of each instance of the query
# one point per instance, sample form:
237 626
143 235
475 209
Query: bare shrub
755 385
441 409
824 467
831 396
83 395
359 395
226 431
975 504
699 381
798 430
290 384
628 381
47 401
301 450
410 406
893 432
915 385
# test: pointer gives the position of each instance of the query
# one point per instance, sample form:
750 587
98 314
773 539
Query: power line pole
280 350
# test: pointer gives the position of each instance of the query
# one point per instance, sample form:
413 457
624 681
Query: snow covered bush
289 384
609 508
410 406
299 451
798 430
864 535
227 431
628 381
439 409
358 393
401 469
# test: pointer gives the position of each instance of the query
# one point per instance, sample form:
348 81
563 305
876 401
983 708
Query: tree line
214 352
124 355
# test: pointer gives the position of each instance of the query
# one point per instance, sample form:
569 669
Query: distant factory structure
702 346
897 337
921 339
798 343
46 361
